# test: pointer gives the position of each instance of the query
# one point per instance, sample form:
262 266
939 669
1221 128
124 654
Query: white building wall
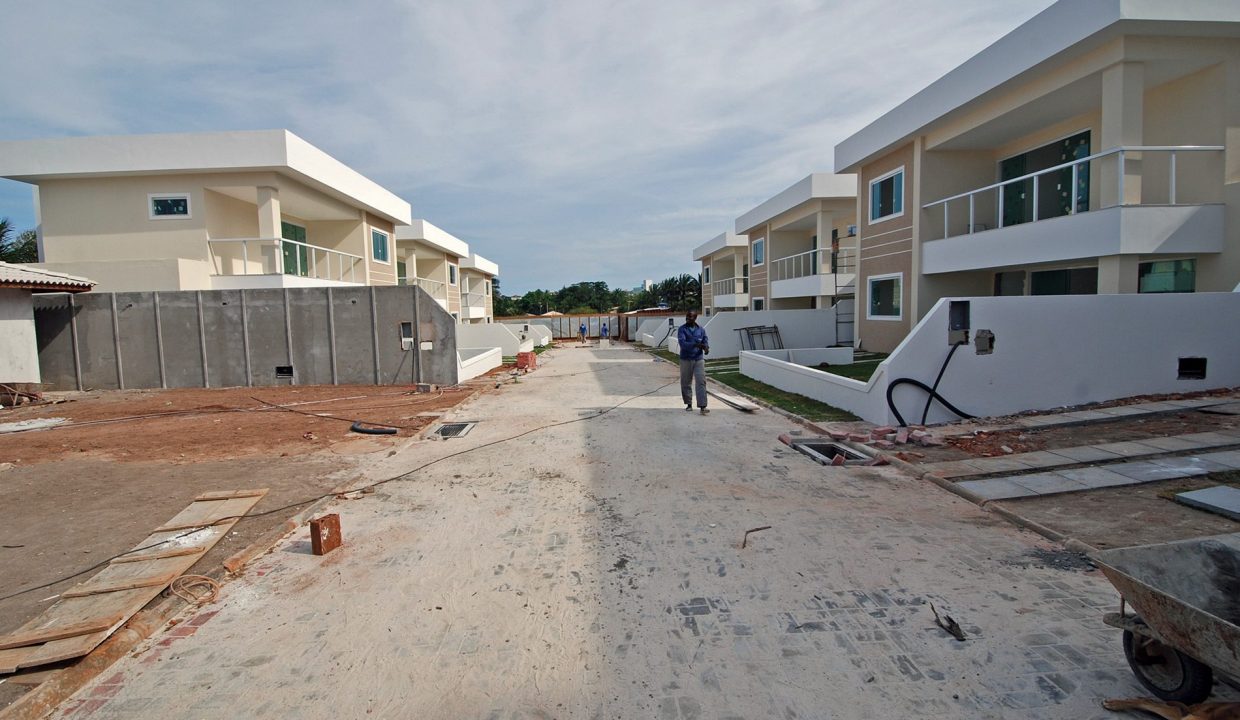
19 351
797 328
508 339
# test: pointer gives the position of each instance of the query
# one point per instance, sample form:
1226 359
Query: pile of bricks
885 437
527 360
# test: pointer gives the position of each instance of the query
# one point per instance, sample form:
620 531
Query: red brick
325 534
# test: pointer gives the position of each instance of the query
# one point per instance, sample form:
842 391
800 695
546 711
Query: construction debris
948 623
325 534
745 539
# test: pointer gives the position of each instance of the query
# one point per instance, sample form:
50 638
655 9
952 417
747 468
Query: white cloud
567 141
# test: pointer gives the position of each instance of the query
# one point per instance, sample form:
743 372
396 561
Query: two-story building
203 211
725 272
477 273
1091 150
442 265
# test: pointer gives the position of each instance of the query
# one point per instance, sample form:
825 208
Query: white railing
434 287
1122 155
265 256
813 262
730 286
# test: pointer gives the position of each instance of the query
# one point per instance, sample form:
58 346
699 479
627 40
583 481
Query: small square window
1167 276
759 304
884 297
379 245
175 207
887 196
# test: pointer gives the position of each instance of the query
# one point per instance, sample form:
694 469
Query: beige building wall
758 288
885 247
707 292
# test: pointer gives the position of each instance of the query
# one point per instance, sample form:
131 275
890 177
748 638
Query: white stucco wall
19 352
811 356
654 330
472 362
797 328
1049 352
507 338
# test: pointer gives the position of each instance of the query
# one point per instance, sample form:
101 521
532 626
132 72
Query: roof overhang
719 242
278 151
25 277
1065 30
480 264
423 232
819 186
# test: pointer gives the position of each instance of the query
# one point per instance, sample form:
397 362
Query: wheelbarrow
1186 627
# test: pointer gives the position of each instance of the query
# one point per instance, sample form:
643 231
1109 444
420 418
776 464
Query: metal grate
825 452
454 430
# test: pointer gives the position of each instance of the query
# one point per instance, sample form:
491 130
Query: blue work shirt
689 336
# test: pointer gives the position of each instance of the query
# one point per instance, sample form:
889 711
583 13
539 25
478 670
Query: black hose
357 427
931 391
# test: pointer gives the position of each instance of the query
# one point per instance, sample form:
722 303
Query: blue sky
567 141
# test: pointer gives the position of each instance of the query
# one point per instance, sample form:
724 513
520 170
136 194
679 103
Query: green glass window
1167 276
1072 281
296 257
887 196
759 252
885 295
169 206
379 245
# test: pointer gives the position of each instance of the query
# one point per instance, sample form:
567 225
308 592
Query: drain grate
454 430
826 452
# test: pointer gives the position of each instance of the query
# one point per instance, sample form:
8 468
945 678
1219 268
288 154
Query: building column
1117 274
268 212
1123 100
825 222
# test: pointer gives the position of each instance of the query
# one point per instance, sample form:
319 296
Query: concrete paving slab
1231 408
952 469
1213 439
1085 453
1160 406
1122 411
1130 449
1095 477
1229 458
1200 462
1043 459
996 489
990 465
1083 416
1174 443
1198 402
1220 499
1149 472
1039 421
1048 483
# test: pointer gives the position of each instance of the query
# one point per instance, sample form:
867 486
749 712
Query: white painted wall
507 338
810 357
472 362
1049 352
651 332
19 352
797 328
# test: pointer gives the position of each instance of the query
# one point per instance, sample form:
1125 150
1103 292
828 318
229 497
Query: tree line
17 247
681 292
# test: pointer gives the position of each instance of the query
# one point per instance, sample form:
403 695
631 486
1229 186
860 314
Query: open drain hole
454 430
827 452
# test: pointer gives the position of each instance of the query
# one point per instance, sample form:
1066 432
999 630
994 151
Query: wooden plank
34 637
192 525
159 555
84 590
736 402
230 494
122 588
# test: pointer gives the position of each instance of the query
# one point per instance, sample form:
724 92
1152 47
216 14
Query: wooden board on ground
88 613
739 403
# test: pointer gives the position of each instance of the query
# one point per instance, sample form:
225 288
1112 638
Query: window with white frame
759 252
451 274
487 286
887 196
884 296
706 275
379 245
170 206
759 304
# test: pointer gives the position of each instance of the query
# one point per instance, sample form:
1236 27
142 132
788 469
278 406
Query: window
451 274
169 207
1069 281
379 241
1167 276
706 273
884 297
1009 283
296 257
759 252
759 304
887 196
487 285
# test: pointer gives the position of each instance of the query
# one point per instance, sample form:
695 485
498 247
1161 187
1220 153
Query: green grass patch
544 348
808 408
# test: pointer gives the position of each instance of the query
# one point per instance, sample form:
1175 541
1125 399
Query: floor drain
454 430
827 452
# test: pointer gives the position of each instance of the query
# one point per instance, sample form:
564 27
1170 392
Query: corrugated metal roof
24 277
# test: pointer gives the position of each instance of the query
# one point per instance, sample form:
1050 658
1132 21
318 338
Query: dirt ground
127 461
1129 515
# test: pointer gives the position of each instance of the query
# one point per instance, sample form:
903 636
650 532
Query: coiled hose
931 391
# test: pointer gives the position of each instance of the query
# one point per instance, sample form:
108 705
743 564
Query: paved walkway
595 570
1126 412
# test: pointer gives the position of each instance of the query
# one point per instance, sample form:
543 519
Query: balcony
814 273
473 306
435 288
1150 200
244 263
730 292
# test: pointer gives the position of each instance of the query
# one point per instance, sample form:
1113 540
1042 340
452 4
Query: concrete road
595 570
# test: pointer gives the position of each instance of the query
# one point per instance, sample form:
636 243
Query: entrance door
296 257
1055 195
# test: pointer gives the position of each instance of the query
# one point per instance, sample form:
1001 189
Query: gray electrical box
958 322
984 342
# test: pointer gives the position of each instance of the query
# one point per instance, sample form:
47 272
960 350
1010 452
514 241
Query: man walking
694 347
581 333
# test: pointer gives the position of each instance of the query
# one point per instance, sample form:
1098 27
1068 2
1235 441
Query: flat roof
1053 31
424 232
719 242
25 277
479 264
818 186
179 153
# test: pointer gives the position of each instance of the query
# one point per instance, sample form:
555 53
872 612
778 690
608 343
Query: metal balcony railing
730 286
434 287
474 299
813 262
278 256
1075 199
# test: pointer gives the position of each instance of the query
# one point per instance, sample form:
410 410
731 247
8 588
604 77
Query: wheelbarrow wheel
1167 672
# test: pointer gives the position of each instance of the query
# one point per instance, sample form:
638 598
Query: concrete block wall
230 338
509 339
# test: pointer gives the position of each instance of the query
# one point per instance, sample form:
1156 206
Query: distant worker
694 347
603 333
581 333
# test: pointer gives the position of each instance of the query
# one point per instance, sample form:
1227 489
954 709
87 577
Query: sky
568 141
